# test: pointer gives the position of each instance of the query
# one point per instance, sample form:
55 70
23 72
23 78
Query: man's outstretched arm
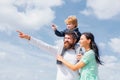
40 44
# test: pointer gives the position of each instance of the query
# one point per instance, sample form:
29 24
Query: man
71 49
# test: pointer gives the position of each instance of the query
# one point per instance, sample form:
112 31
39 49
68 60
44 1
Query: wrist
28 37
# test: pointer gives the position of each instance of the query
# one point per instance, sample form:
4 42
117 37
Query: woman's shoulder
89 53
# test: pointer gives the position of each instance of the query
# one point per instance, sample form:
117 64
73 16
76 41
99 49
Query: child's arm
60 33
57 32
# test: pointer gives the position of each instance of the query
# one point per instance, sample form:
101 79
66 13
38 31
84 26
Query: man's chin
67 46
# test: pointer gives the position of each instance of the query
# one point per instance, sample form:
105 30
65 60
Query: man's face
68 41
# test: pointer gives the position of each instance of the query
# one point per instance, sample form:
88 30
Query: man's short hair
73 33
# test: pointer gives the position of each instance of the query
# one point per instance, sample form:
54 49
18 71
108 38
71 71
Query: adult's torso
64 73
90 70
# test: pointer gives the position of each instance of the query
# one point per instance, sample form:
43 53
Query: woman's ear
89 40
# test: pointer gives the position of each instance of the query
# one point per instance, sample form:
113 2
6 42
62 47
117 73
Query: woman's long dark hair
93 46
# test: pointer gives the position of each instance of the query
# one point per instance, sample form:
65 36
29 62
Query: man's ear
75 40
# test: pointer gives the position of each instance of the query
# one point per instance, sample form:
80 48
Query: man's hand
23 35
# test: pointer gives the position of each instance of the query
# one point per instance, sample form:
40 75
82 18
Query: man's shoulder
77 46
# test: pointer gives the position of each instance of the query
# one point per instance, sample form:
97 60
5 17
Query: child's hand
79 56
54 27
59 58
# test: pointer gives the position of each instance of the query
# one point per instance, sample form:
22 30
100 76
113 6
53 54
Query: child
71 24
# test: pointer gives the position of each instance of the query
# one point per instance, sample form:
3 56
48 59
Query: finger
19 32
79 54
52 25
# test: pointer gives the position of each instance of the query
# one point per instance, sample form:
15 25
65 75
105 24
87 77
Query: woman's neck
87 49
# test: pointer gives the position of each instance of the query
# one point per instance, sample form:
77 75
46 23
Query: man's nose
66 39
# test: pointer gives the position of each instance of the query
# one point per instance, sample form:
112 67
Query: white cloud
114 44
27 14
110 69
2 55
85 12
9 51
9 47
109 59
19 63
102 45
32 68
20 73
102 9
76 1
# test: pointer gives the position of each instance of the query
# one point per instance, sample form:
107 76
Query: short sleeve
88 56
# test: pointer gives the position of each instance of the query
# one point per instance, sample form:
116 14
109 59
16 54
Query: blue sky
20 60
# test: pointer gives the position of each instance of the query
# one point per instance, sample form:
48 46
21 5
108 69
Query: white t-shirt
63 72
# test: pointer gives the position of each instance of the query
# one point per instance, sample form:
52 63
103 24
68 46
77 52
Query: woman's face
84 42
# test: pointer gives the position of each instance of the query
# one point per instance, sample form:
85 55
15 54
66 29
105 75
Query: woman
89 61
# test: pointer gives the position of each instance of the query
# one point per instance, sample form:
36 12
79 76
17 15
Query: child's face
70 26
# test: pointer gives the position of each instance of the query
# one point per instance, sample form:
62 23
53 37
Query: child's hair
72 19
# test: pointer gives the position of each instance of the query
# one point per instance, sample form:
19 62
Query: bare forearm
69 65
73 67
